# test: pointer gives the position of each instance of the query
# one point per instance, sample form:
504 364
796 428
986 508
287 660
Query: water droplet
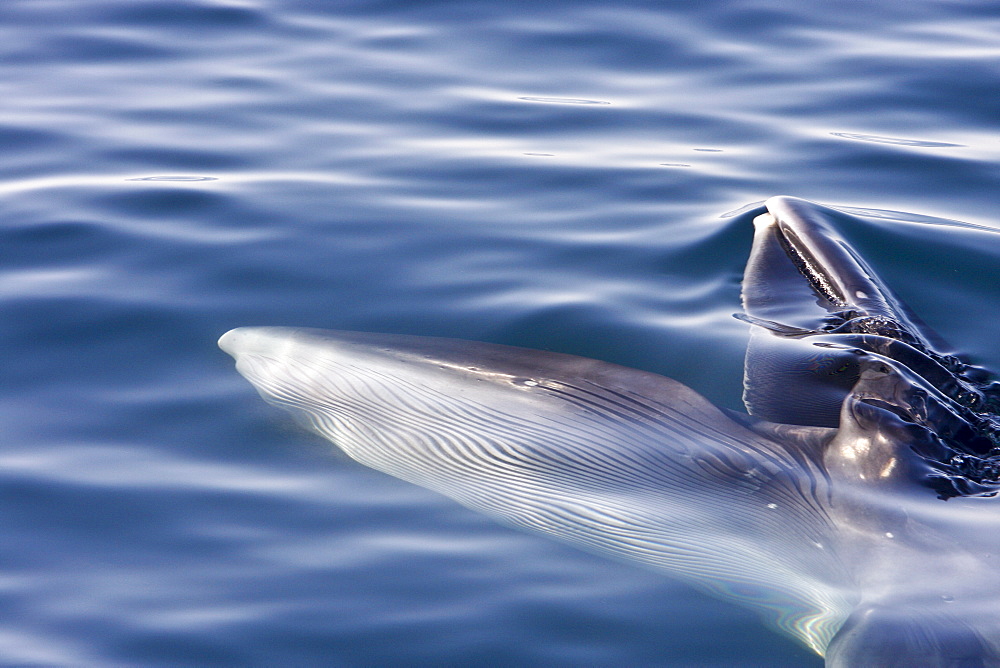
528 382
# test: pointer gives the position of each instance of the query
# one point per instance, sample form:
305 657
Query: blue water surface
573 176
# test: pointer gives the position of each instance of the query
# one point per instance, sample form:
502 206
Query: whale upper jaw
830 342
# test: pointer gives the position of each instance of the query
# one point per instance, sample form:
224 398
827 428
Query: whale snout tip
261 340
235 340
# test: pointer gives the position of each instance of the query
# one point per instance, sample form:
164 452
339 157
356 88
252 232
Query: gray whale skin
851 507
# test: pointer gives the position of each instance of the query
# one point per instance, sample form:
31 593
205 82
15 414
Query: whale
852 505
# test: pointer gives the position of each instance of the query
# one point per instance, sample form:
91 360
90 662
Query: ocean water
572 176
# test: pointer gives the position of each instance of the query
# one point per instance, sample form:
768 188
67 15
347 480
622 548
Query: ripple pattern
521 173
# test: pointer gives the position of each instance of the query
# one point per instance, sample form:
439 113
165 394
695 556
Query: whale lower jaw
613 460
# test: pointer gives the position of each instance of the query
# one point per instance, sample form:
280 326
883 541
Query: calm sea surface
574 176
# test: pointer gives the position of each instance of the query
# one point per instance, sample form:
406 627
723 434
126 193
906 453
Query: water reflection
895 140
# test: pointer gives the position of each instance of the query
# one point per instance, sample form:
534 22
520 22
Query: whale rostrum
851 506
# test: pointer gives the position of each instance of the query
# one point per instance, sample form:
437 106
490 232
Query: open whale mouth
823 530
821 315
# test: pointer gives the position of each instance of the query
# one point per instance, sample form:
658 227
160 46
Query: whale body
851 506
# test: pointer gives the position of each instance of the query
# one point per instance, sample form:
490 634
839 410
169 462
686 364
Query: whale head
850 507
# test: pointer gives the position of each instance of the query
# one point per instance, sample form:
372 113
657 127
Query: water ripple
172 170
895 140
562 100
175 178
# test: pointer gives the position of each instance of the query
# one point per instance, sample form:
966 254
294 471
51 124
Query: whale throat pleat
615 460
